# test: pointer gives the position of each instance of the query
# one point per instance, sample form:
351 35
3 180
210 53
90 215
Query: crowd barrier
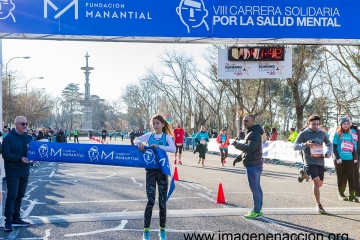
278 149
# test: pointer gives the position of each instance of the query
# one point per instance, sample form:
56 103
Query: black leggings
224 154
154 176
179 149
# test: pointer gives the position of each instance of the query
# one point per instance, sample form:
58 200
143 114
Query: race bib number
316 151
202 142
347 146
355 137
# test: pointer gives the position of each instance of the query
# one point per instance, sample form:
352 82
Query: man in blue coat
17 170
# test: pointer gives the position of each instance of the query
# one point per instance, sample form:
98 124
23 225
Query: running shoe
224 161
180 162
8 227
20 223
253 214
320 209
203 165
175 161
199 162
146 235
162 235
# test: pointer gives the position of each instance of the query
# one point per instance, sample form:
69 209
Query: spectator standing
60 136
293 135
310 142
345 152
252 160
240 136
179 135
132 136
76 136
355 133
110 135
274 134
17 169
214 133
103 135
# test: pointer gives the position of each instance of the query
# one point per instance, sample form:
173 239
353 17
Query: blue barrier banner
184 18
117 155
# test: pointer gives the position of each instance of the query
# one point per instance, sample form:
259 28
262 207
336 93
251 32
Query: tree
70 104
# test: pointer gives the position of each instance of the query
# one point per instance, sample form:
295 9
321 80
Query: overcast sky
59 62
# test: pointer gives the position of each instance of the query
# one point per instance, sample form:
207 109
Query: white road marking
193 185
206 197
52 174
120 227
46 237
184 186
112 201
136 182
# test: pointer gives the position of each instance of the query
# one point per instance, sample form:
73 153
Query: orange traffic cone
176 176
221 195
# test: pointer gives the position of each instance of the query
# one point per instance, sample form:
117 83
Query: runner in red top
179 135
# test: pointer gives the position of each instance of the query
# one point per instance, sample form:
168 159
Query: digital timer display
256 54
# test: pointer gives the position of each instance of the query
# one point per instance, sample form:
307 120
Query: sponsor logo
43 151
74 3
6 8
192 13
149 156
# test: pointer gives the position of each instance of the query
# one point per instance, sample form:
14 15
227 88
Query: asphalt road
76 201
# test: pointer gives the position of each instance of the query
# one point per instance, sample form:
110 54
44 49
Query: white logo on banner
43 151
6 8
192 13
93 153
74 3
149 156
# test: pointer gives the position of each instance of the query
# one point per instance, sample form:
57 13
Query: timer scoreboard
256 54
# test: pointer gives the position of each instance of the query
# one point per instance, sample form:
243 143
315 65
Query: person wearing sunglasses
252 160
17 169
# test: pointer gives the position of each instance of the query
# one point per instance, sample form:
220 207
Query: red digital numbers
256 54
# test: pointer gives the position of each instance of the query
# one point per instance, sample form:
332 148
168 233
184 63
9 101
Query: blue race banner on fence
117 155
184 18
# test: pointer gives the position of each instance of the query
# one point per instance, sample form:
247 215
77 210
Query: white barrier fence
272 150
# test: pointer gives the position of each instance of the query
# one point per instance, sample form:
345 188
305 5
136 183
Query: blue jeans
16 187
253 174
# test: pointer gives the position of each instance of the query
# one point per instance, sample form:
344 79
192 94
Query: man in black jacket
60 136
17 169
241 135
252 160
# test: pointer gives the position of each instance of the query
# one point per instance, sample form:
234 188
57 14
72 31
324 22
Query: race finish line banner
117 155
323 19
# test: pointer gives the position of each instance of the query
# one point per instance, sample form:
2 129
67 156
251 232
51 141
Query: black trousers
76 138
153 177
16 187
356 178
345 174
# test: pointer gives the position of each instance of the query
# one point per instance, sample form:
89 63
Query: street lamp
26 91
6 75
